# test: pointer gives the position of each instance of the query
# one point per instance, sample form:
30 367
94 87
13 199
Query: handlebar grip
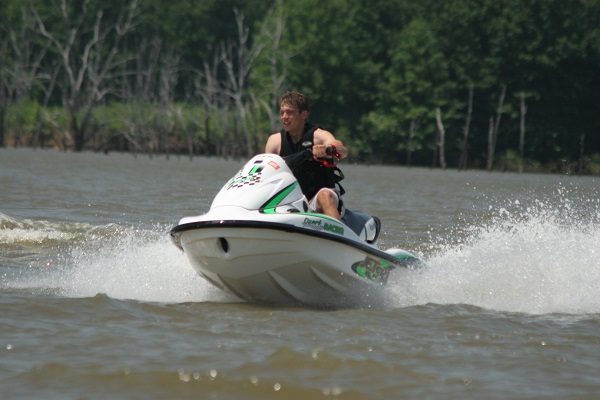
333 158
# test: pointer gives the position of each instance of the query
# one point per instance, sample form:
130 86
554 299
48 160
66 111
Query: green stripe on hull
273 202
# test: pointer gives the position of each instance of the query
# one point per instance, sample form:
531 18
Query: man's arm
273 145
324 139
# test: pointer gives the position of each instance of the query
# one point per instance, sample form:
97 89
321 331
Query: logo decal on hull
241 180
317 225
373 270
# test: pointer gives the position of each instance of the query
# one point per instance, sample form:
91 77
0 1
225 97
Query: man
316 180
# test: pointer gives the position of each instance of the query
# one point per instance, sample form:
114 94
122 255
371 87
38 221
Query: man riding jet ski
319 181
277 231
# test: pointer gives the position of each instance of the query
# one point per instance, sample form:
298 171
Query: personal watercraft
259 242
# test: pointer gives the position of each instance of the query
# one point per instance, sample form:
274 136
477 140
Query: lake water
97 303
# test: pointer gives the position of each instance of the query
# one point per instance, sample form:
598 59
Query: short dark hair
295 99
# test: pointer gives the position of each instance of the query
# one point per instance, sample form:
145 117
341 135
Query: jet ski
259 242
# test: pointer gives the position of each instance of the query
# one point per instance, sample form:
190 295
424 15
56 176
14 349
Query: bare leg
326 202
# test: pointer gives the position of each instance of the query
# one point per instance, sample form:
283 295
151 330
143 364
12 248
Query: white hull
288 265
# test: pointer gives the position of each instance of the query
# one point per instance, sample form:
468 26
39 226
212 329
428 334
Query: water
95 302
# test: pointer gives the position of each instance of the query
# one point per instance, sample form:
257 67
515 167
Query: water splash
80 260
141 265
538 257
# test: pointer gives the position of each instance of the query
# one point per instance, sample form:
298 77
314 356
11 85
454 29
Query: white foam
140 269
123 263
27 232
539 259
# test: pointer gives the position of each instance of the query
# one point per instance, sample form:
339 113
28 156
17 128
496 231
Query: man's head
295 100
293 111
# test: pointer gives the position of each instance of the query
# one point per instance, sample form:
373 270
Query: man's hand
320 150
326 154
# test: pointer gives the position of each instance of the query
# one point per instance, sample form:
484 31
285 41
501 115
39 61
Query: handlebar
332 160
294 160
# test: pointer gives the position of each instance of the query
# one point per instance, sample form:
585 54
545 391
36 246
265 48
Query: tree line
494 84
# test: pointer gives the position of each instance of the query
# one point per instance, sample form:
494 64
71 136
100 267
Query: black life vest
311 175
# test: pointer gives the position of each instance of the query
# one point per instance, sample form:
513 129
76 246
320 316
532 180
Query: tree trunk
2 125
414 124
490 144
207 136
462 162
581 153
279 61
3 97
442 142
523 109
77 132
493 134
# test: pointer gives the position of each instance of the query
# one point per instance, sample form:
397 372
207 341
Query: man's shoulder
274 136
273 143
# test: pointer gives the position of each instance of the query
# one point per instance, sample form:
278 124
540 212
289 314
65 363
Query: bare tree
50 77
272 32
169 73
442 137
3 92
581 163
88 66
21 64
207 88
222 85
414 125
523 111
139 99
493 132
490 141
462 162
237 68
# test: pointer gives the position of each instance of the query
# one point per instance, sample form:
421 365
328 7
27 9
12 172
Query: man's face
291 118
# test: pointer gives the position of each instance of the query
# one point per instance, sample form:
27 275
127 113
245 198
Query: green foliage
337 58
24 114
375 72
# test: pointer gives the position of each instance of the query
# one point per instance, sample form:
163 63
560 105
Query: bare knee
327 202
326 198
